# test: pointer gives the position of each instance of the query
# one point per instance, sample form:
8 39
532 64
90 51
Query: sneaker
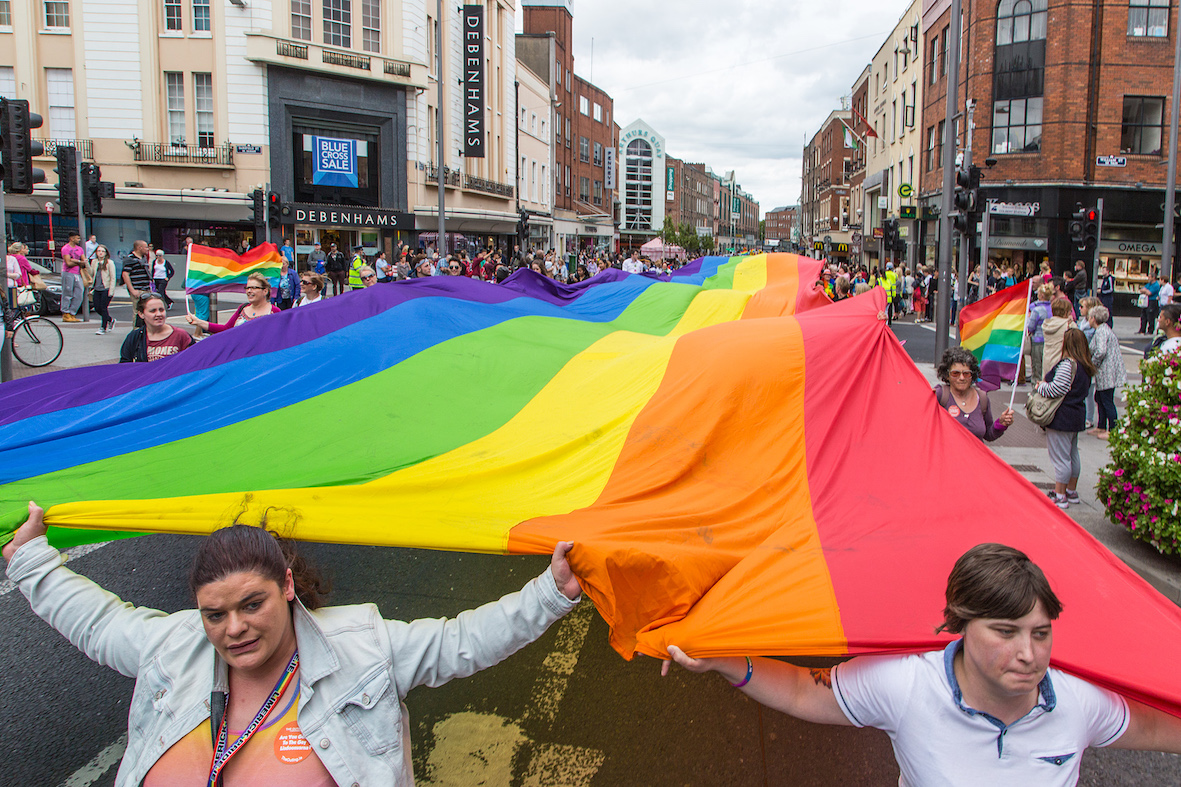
1061 502
99 332
111 327
1072 497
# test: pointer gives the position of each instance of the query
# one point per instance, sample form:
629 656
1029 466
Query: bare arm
134 293
804 693
1150 730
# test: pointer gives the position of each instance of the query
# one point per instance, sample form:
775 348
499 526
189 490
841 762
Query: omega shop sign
473 81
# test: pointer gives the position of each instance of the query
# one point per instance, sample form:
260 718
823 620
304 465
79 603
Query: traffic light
1091 229
17 147
960 222
965 194
523 228
275 208
260 208
67 180
1077 221
92 198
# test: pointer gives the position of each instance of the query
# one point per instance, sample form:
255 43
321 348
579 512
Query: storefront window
335 166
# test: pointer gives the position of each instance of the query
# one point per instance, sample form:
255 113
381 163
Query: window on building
203 109
201 16
567 81
1017 125
173 15
584 150
338 23
174 86
598 112
1020 20
5 13
931 149
567 132
521 177
598 155
567 181
371 25
533 122
584 189
943 53
57 14
301 19
59 83
934 47
544 196
522 117
542 132
1148 18
583 105
1143 125
533 182
638 185
598 192
558 129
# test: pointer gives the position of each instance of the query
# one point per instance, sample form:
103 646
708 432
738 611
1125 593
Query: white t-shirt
1166 294
1171 345
938 740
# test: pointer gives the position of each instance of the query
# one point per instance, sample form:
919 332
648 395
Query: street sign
905 190
907 212
249 149
856 237
884 203
1111 161
1013 208
818 245
877 232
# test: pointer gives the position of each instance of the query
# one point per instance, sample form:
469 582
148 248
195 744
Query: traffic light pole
6 343
965 266
441 168
1099 239
1166 261
943 298
81 233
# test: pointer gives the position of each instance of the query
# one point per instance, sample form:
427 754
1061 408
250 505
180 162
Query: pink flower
1119 472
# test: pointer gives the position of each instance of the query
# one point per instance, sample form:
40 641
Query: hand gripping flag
743 466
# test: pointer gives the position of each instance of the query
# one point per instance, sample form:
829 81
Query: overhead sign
473 81
348 216
334 162
670 179
841 248
1111 161
905 190
736 205
1009 242
818 245
877 232
907 212
1130 247
609 168
1014 208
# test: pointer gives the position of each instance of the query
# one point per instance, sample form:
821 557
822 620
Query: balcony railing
85 147
487 186
450 176
169 153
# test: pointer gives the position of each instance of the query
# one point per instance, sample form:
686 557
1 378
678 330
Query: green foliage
1142 485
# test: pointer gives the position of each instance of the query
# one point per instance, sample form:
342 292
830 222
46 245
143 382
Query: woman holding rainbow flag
258 303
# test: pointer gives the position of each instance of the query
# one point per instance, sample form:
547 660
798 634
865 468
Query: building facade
861 221
690 198
1071 108
584 138
644 176
535 109
782 227
825 201
738 216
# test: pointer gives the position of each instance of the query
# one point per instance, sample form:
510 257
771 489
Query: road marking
559 665
73 553
92 771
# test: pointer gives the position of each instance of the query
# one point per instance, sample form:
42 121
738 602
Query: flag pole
1021 354
188 259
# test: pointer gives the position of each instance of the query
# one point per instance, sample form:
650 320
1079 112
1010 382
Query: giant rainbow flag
744 467
221 270
993 329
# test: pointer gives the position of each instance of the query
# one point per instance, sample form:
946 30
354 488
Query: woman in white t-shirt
311 287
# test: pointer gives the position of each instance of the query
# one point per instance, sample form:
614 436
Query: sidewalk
1023 447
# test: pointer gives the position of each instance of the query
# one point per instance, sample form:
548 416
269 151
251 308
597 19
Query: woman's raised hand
564 575
33 527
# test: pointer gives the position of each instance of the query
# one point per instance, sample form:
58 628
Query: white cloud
737 85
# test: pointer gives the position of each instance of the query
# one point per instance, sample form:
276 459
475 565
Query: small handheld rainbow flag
221 270
993 330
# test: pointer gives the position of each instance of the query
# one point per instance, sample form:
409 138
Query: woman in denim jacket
260 680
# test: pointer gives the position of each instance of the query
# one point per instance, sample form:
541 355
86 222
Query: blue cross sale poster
334 162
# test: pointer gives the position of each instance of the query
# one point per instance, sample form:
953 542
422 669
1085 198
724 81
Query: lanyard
222 754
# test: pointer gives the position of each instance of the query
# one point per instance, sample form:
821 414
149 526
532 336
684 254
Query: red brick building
1071 102
824 203
780 222
585 139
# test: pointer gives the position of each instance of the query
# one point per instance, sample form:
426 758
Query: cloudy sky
737 84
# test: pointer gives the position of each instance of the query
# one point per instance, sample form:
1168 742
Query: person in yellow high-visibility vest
355 266
890 282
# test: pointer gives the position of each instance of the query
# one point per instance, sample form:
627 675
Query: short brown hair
995 581
1061 307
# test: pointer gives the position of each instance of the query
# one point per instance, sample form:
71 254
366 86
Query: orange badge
954 411
290 745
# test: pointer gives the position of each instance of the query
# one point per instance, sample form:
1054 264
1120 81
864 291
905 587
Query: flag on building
221 270
850 140
993 330
869 132
744 467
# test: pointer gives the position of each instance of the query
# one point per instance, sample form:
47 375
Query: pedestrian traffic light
260 207
960 222
1076 226
274 208
889 233
92 189
17 147
523 227
67 180
967 184
1091 229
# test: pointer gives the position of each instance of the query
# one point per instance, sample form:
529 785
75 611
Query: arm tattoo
822 676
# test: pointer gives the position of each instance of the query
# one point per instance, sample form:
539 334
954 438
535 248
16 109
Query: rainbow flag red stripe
992 330
221 270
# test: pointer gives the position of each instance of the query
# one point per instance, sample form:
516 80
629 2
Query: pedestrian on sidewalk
288 289
1084 324
137 274
1169 325
1039 312
104 287
968 405
1150 306
73 288
162 272
1069 379
336 265
156 339
1105 288
1054 329
1110 371
261 639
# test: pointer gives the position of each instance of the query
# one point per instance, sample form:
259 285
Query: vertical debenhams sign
473 81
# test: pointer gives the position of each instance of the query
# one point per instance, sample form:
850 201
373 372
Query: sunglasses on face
454 268
960 374
248 289
368 277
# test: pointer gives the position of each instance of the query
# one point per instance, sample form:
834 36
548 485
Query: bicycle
36 341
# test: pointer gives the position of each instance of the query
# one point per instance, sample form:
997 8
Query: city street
565 711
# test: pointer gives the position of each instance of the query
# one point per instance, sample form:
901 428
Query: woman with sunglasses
312 287
258 303
963 401
156 339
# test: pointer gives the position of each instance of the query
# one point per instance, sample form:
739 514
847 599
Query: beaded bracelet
750 671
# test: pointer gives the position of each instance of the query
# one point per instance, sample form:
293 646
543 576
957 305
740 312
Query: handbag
1041 409
1142 301
87 276
35 280
25 296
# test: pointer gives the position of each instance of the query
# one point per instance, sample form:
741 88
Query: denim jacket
355 668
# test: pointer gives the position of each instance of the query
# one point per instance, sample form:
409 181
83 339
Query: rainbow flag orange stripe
221 270
992 329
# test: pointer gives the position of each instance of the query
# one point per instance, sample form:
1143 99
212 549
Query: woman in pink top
258 303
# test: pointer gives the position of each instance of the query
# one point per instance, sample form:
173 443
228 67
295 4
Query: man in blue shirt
288 251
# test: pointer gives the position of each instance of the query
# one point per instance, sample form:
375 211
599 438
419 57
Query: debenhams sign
341 216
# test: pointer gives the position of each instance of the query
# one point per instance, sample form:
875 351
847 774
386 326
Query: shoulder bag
1041 409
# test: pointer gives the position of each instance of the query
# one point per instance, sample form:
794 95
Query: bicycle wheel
36 342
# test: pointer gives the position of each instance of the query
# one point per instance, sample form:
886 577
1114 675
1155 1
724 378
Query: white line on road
92 771
73 553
